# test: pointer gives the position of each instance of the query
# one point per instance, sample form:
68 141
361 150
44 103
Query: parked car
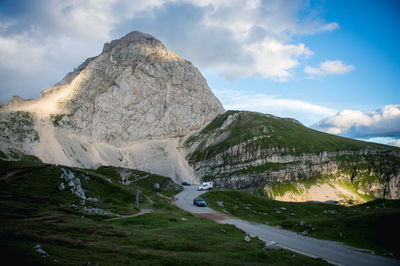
184 183
199 202
205 186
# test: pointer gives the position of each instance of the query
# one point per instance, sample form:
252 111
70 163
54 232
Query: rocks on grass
272 245
40 251
73 182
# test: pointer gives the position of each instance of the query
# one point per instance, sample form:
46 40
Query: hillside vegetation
286 135
43 222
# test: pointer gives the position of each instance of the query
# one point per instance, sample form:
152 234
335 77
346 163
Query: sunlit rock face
127 107
137 90
134 90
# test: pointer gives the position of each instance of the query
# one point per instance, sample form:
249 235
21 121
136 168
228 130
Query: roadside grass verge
373 225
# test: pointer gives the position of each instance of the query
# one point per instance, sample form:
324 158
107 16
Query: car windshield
200 199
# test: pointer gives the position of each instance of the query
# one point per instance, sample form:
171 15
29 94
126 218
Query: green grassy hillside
244 150
267 131
374 225
36 210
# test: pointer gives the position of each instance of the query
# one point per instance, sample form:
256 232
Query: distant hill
253 150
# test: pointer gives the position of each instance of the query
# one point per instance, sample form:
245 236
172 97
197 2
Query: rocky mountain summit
134 90
125 107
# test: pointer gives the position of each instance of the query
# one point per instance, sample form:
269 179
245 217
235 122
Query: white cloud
13 49
262 31
384 122
382 140
236 38
274 60
330 27
91 19
336 67
271 104
397 143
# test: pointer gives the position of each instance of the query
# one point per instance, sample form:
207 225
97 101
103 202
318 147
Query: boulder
220 203
40 251
61 186
272 245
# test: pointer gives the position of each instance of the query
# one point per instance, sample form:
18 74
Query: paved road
330 251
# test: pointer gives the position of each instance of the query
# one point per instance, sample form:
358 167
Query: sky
334 65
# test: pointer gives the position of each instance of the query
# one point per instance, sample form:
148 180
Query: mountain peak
134 38
134 90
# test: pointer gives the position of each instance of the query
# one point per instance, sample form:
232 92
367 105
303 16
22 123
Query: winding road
333 252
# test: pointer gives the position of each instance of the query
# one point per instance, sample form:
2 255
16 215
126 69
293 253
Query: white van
205 186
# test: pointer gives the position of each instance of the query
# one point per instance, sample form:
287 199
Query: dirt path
18 171
216 217
142 211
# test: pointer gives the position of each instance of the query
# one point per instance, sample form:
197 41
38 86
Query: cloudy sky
333 65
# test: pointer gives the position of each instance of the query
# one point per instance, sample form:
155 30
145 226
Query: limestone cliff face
260 171
137 90
134 90
241 150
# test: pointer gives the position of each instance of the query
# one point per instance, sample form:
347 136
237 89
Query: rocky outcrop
135 90
17 130
268 167
383 184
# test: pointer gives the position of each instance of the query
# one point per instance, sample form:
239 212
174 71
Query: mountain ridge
248 150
